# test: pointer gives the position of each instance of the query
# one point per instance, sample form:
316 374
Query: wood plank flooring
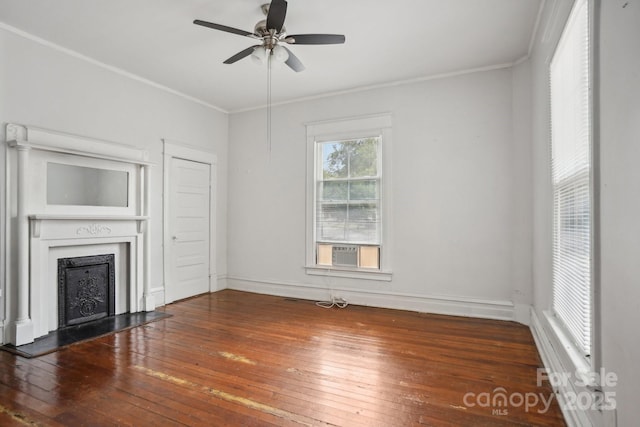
241 359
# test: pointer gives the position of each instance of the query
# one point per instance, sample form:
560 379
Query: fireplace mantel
62 217
39 229
35 138
94 228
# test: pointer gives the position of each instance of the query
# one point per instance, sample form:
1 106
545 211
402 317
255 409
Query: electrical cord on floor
335 302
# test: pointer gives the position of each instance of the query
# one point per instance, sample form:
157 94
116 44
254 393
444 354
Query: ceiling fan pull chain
269 104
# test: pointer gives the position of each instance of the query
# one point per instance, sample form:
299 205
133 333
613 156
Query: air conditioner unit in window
359 256
345 255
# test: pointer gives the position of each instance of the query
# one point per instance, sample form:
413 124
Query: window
572 178
348 203
347 198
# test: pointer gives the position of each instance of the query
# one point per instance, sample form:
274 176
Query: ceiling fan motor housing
261 30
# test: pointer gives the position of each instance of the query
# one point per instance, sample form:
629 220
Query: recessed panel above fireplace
86 186
86 289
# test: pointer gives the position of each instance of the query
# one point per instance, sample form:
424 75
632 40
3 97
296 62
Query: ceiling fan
273 36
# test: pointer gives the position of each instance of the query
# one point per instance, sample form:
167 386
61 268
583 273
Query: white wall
620 199
552 23
522 188
461 226
3 96
44 87
618 116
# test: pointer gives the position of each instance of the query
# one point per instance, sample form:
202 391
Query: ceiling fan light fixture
259 55
279 54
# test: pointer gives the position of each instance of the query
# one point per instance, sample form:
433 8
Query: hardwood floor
234 358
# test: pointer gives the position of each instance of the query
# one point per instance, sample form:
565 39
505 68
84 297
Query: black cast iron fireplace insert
86 289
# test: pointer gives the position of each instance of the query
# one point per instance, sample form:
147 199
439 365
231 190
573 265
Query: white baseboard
221 282
522 314
158 296
454 306
8 332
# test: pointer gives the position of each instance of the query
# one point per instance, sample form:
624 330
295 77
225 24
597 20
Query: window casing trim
344 129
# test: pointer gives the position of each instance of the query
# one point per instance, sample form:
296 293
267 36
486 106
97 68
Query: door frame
171 150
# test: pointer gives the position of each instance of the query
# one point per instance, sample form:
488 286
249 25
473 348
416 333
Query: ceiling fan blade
293 62
223 28
243 54
315 39
276 15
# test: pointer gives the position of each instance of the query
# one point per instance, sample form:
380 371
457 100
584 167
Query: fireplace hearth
86 289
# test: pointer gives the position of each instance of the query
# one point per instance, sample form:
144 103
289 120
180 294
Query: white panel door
189 228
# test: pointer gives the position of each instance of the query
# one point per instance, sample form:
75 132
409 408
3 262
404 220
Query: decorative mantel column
149 302
23 324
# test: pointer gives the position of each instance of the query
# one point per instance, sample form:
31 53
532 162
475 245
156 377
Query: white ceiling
386 41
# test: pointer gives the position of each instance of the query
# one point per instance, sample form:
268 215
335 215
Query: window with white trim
347 217
347 198
572 179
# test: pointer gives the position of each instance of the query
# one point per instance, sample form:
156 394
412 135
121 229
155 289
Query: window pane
363 190
363 157
331 221
362 232
333 232
350 159
363 212
334 160
333 190
364 223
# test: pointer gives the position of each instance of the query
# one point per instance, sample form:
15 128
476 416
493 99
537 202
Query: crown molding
111 68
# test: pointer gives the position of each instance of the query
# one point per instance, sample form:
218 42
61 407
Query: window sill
579 363
316 270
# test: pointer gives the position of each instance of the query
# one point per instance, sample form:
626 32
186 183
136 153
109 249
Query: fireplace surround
72 197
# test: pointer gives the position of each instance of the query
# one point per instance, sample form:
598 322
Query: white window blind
571 172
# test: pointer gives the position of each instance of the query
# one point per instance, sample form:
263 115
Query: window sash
571 178
348 209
